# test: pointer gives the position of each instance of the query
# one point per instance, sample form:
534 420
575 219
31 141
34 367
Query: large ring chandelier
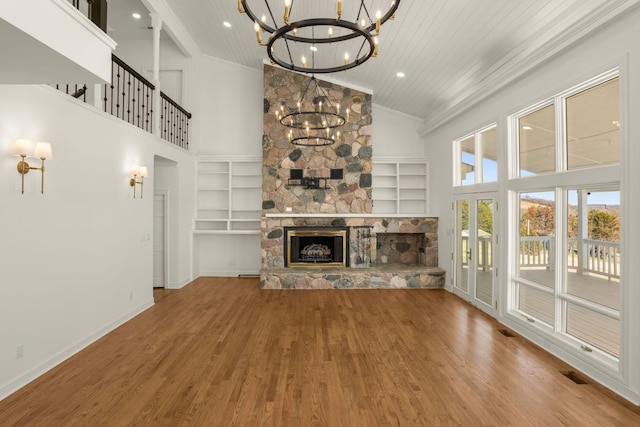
319 36
314 120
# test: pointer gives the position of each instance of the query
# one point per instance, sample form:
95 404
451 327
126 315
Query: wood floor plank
222 352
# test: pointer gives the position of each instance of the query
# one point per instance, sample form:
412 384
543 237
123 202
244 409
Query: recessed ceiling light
400 74
227 24
526 127
136 15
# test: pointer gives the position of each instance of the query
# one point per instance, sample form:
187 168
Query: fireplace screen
316 247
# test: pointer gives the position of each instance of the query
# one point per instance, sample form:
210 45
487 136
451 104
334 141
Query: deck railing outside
599 257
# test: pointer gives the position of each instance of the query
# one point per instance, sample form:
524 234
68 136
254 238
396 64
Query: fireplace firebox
316 246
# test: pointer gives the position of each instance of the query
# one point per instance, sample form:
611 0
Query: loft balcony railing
95 10
130 97
174 122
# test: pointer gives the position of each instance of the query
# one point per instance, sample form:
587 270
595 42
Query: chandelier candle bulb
330 31
375 48
378 17
339 9
346 58
256 27
240 8
287 9
304 62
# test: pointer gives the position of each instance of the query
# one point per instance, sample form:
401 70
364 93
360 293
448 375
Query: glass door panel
484 245
462 246
474 250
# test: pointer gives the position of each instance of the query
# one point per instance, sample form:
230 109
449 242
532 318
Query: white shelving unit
229 196
400 187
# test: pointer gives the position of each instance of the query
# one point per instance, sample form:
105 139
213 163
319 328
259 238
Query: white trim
165 244
233 64
85 22
396 112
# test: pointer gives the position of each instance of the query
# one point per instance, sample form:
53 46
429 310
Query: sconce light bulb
43 150
22 147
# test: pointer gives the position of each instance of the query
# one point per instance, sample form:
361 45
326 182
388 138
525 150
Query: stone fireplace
414 266
327 236
316 247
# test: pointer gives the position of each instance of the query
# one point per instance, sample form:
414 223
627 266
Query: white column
583 230
156 23
478 155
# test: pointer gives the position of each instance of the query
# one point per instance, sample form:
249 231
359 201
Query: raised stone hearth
393 277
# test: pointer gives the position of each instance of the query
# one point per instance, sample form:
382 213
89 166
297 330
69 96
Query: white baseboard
26 378
227 273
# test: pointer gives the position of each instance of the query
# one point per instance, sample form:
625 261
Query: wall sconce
22 148
138 171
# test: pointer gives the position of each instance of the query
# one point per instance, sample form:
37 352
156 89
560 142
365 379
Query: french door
474 254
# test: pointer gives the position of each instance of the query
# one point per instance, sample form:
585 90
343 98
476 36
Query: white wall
73 262
395 134
231 104
615 45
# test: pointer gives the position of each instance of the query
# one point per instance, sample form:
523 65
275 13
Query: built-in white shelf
400 187
229 196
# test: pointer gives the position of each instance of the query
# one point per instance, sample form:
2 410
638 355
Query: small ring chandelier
310 28
314 121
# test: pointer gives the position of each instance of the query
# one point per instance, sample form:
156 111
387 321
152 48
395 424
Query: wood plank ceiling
453 52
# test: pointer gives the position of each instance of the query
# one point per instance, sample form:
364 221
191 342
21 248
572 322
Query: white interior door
474 254
159 221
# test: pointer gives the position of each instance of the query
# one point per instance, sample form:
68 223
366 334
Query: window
566 276
590 129
593 267
535 270
536 137
593 135
476 157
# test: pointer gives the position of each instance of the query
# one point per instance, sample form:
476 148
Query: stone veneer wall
352 154
272 251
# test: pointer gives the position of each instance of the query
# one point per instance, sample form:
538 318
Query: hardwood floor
223 352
